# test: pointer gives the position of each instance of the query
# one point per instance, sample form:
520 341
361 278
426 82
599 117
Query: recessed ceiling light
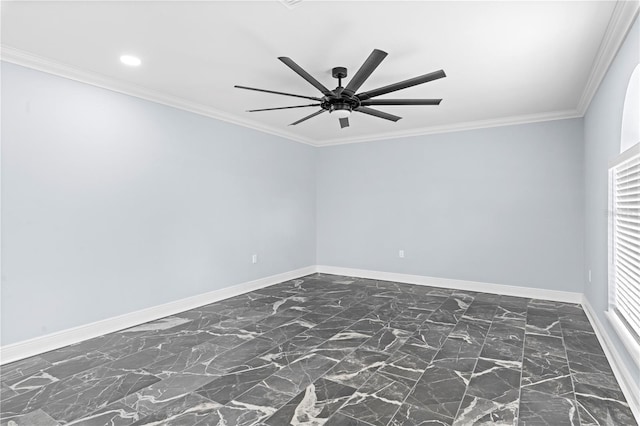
130 60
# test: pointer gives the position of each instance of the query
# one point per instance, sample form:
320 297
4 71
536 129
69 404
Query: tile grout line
423 373
191 348
573 386
285 366
315 347
434 355
257 356
403 401
475 365
365 382
524 345
391 355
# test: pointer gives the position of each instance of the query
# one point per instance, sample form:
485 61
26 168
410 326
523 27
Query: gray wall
602 128
111 204
501 205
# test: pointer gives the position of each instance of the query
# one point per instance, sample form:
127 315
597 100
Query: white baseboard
624 377
38 345
507 290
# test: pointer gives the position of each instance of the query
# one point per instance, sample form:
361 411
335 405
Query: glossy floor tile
330 350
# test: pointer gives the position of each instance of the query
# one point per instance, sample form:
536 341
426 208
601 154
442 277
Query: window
624 279
624 225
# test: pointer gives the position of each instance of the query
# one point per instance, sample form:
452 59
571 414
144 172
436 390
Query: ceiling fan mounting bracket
339 72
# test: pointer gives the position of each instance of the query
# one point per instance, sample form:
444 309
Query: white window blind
625 285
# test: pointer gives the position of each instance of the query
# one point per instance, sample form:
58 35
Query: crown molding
622 18
459 127
29 60
20 57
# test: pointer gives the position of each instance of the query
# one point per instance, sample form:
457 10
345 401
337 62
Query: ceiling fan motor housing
340 104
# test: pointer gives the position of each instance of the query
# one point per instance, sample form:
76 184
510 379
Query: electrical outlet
254 258
401 253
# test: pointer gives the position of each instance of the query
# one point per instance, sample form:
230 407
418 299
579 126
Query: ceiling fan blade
307 117
288 107
401 102
302 73
365 71
344 122
377 113
278 93
402 85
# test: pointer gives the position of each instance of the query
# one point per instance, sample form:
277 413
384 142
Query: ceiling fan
341 101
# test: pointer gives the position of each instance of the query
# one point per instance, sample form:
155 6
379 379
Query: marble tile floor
330 350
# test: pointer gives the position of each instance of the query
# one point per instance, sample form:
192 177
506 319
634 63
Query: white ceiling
506 62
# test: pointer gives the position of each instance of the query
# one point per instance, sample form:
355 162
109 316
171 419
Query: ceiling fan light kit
341 101
341 109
